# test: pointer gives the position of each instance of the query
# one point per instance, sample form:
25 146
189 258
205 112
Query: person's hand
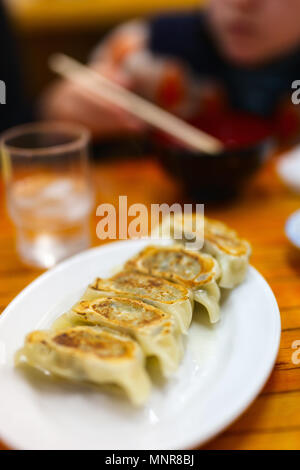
69 102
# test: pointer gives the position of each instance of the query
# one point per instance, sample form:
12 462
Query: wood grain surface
273 420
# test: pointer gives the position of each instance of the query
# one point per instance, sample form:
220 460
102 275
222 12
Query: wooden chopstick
108 90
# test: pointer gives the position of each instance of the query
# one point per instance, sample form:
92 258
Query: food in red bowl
246 139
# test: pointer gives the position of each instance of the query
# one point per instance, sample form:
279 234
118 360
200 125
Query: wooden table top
273 420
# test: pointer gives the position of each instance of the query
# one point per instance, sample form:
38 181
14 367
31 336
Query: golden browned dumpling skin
84 353
231 252
196 271
176 264
225 238
220 241
154 329
167 296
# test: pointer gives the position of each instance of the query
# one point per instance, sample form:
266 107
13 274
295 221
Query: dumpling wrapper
220 241
152 328
167 296
89 354
196 271
231 252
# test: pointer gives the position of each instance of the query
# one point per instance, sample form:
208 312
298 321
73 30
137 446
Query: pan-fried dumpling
196 271
231 252
84 353
167 296
223 243
151 327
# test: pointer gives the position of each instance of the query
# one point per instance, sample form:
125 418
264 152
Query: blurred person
15 110
234 54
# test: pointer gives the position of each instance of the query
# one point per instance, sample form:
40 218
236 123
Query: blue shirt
258 90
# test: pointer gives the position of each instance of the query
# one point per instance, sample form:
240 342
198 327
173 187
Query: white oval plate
288 169
224 368
292 228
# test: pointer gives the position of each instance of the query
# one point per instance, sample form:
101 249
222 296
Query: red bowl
247 140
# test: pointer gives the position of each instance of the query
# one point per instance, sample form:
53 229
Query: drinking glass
48 189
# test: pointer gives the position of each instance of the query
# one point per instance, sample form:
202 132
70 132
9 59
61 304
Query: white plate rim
253 389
